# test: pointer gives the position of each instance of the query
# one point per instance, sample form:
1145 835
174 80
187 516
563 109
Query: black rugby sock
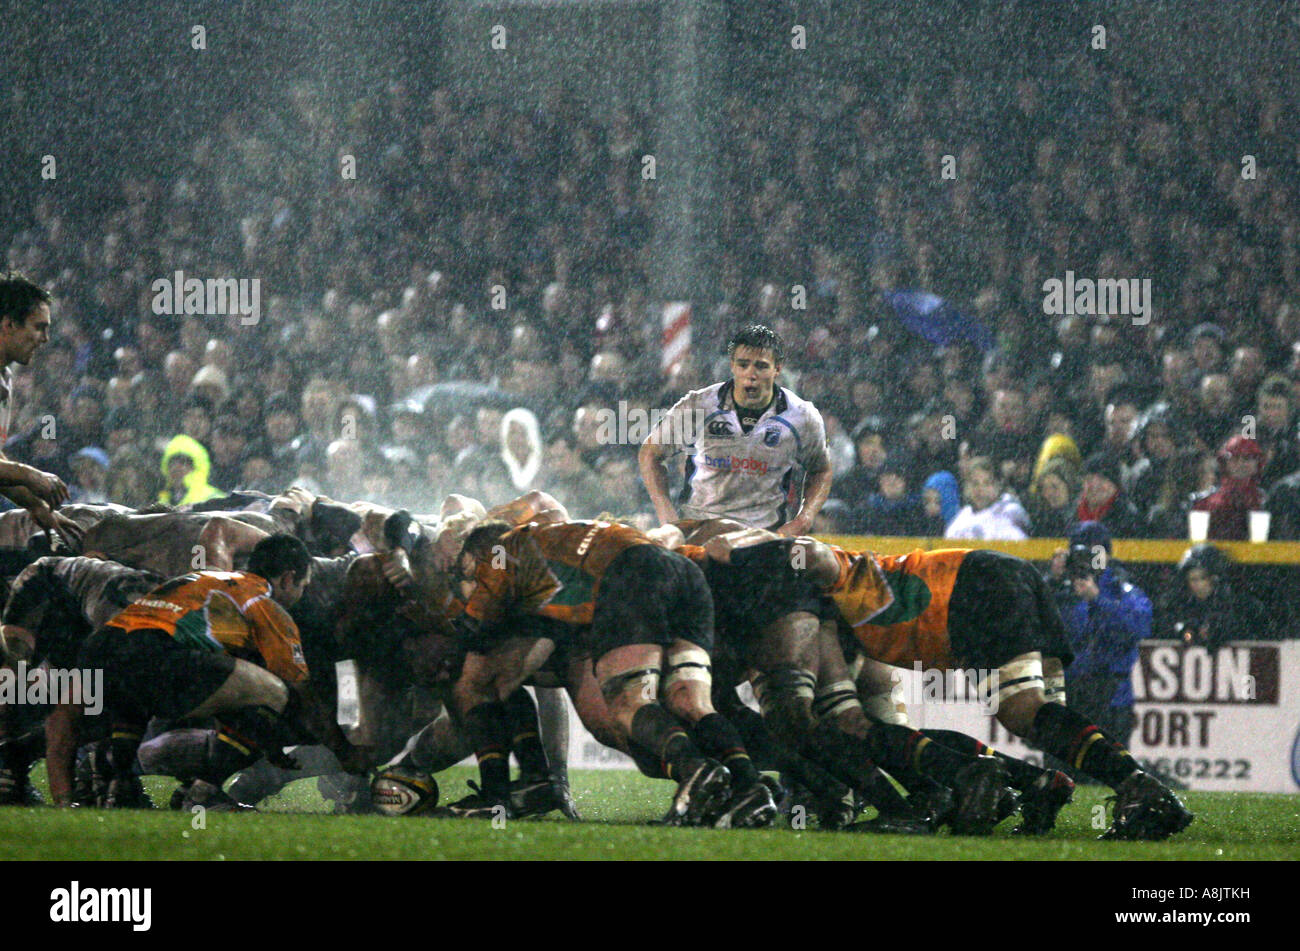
718 739
763 748
488 728
1078 741
29 746
844 756
657 730
1022 774
646 761
123 741
229 752
525 735
960 742
908 753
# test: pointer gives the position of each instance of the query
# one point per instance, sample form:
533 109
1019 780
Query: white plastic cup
1259 526
1198 526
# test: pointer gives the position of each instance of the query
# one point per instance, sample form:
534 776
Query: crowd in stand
489 258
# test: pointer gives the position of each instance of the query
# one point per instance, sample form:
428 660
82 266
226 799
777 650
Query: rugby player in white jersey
746 441
755 453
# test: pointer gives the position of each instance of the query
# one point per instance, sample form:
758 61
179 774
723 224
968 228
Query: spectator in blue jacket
1105 617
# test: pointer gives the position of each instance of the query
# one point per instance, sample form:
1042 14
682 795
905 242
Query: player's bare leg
480 698
589 703
687 692
1144 809
629 680
553 717
852 746
786 658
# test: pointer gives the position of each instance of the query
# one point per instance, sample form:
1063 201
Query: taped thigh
1017 676
639 679
776 688
687 664
1053 680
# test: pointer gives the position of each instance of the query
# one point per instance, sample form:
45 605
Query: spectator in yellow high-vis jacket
185 466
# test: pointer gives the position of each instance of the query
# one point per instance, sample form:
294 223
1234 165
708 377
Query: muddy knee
785 695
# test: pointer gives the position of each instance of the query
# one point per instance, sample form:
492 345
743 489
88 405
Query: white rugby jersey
750 477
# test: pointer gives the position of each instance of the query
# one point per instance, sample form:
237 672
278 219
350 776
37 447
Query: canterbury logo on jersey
736 464
161 605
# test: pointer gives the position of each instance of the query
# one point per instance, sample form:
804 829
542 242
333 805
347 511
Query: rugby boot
201 794
533 797
127 792
477 805
1041 801
1146 809
1008 805
15 784
750 808
933 802
564 796
979 789
699 795
838 812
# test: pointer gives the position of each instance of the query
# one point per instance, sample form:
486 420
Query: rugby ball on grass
404 794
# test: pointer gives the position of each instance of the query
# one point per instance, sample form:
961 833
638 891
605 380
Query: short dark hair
479 542
20 296
276 554
757 337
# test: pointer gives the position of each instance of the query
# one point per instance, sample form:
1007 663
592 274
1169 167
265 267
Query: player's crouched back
207 644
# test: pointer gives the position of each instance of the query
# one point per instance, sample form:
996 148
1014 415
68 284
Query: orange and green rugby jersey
438 587
552 570
230 611
915 625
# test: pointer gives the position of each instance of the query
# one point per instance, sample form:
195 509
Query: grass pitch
617 805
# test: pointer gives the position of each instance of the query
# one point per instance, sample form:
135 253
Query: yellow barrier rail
1167 551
